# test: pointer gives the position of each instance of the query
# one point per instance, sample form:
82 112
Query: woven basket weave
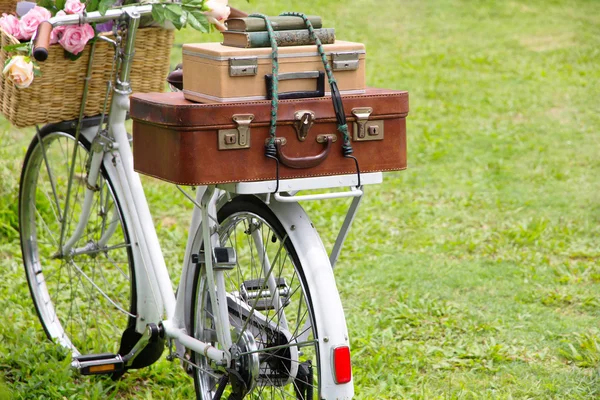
8 6
56 95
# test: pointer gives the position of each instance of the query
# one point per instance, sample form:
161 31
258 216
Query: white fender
328 311
327 306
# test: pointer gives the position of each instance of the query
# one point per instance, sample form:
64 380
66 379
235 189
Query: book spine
281 23
291 38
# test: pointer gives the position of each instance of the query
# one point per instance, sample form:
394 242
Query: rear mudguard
327 306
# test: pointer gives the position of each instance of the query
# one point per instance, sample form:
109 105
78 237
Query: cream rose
218 11
20 71
30 21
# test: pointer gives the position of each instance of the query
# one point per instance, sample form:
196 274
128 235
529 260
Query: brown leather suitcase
200 144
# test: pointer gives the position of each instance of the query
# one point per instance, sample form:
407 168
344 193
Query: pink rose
30 21
74 7
218 12
10 25
58 31
75 37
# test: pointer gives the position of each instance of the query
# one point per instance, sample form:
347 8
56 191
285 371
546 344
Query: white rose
20 71
218 12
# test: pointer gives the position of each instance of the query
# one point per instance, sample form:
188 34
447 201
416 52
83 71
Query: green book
296 37
254 24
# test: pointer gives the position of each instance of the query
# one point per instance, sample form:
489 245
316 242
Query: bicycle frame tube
215 278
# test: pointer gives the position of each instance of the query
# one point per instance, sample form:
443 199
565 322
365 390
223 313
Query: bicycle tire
237 218
84 301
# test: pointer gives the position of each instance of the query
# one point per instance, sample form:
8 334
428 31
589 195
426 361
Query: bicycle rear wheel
85 299
270 312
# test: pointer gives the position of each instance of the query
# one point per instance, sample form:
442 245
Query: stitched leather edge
258 180
291 101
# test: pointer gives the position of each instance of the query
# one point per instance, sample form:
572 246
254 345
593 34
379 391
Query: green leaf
49 5
177 24
60 4
72 56
200 22
104 6
158 13
194 23
45 3
173 13
175 9
183 19
17 47
193 4
92 5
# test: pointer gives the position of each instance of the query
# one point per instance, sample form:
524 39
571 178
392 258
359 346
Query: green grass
473 274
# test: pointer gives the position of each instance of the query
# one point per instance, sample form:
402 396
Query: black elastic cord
271 152
357 167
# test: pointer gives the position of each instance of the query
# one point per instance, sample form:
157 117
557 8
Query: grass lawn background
473 274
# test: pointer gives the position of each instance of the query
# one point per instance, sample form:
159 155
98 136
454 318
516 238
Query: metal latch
324 138
243 66
365 129
239 138
345 61
303 121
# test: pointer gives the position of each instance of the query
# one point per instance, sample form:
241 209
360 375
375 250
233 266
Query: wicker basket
56 95
8 6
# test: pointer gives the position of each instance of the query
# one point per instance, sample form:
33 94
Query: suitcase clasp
303 121
243 66
365 129
239 138
362 116
348 61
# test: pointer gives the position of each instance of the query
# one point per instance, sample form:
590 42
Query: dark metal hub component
276 364
303 384
243 373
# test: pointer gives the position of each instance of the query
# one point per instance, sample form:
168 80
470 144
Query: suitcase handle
318 75
303 162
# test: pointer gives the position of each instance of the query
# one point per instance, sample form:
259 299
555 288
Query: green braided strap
342 127
275 73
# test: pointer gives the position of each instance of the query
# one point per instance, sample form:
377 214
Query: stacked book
289 31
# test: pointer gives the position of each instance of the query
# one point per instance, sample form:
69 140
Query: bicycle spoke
48 230
91 281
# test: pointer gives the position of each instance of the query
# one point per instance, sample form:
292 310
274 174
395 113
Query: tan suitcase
217 74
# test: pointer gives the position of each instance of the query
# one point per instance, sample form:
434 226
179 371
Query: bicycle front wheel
85 299
276 354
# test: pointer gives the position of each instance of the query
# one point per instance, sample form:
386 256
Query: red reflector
342 364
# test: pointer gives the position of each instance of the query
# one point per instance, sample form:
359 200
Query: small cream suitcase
214 73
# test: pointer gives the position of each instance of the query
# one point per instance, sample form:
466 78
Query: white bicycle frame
156 301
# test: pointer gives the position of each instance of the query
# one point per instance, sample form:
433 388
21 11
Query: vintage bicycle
256 314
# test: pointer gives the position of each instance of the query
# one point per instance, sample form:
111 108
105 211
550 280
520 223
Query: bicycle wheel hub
245 362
